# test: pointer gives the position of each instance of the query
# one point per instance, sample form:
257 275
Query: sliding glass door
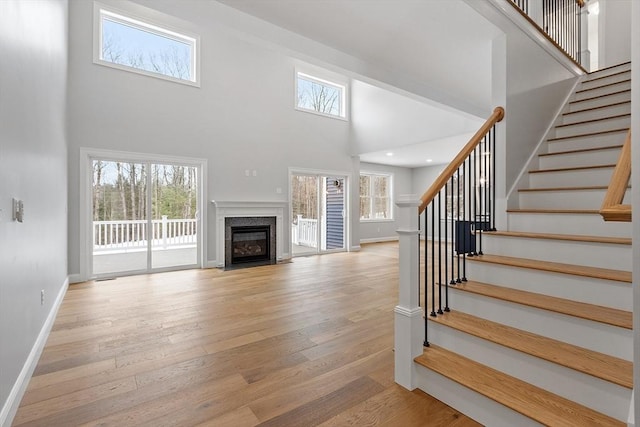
318 214
144 217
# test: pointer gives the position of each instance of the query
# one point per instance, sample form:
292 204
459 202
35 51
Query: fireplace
249 241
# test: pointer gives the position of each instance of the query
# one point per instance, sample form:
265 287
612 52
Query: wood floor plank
207 346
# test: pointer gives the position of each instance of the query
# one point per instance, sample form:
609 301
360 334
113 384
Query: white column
409 320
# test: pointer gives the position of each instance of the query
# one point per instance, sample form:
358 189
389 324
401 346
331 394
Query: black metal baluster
440 253
426 273
453 239
457 224
479 224
446 240
493 176
433 259
465 212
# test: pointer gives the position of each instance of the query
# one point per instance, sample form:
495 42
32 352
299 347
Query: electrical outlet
42 297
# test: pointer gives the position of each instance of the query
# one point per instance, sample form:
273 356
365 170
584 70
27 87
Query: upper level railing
559 20
458 207
128 235
613 208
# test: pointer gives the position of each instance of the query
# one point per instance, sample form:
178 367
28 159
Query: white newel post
409 323
585 53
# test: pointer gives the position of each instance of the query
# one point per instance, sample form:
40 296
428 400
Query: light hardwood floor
304 343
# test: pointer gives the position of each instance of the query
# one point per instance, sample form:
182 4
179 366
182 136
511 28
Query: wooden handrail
447 173
612 208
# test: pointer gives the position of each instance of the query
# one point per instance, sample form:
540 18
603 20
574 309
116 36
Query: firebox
250 244
249 241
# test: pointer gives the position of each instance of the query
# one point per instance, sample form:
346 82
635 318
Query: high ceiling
437 50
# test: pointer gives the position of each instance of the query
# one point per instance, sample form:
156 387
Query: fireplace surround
245 209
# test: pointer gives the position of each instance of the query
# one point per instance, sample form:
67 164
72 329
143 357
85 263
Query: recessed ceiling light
389 154
429 160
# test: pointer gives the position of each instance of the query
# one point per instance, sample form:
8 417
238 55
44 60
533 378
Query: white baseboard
17 391
211 264
379 239
355 248
75 278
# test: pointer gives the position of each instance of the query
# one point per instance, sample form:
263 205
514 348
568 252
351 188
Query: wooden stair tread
575 168
594 187
582 135
568 237
602 107
622 64
600 96
594 120
584 150
605 85
593 79
596 313
556 267
599 365
556 211
533 402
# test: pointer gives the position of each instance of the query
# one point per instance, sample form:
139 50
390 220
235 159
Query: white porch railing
305 232
131 235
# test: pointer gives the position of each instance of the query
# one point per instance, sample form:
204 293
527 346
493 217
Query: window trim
391 210
151 26
312 78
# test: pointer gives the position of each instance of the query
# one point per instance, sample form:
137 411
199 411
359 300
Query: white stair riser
585 158
591 224
610 78
571 178
607 339
592 392
609 71
603 90
474 405
618 257
564 199
594 114
606 293
591 141
620 96
593 126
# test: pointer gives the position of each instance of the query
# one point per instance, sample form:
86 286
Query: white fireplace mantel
231 208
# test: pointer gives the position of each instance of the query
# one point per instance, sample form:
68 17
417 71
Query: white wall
242 116
371 231
614 29
33 165
635 197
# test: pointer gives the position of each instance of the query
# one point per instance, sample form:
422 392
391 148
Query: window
320 96
456 196
133 45
375 197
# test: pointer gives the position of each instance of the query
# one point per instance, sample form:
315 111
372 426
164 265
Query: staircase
542 331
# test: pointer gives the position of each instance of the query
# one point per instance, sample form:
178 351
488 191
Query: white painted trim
211 264
380 239
8 412
348 179
538 148
357 248
74 278
85 245
149 24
